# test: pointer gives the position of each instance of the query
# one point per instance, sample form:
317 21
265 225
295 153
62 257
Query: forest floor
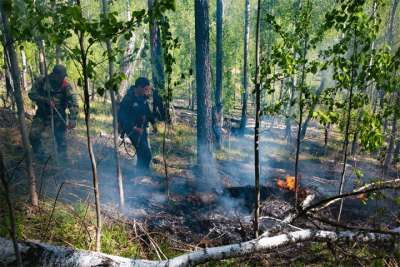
197 211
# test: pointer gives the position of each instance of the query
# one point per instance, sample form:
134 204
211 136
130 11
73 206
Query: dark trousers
143 150
39 126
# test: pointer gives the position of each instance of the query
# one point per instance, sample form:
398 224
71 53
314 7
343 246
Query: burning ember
287 184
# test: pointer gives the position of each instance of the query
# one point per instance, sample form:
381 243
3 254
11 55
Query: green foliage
371 135
112 83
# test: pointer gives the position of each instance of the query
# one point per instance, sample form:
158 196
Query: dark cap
141 82
60 70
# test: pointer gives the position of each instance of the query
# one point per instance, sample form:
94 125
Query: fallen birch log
368 188
38 254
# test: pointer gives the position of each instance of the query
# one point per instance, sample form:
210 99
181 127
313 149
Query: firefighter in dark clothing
53 92
134 116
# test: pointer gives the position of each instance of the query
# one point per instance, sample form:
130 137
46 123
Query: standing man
53 92
134 116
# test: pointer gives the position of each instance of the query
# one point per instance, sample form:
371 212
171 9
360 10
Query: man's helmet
59 70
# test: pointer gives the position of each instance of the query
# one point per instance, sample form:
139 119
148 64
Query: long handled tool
60 116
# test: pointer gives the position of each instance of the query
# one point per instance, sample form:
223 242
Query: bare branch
368 188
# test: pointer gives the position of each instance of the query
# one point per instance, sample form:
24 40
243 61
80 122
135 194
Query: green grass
101 119
69 227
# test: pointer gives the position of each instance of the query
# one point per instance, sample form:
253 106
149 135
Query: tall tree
257 125
114 115
24 82
83 53
42 56
219 69
304 37
157 63
243 120
347 127
7 74
11 213
16 84
393 134
127 58
203 85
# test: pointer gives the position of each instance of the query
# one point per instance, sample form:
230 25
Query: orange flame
291 183
288 184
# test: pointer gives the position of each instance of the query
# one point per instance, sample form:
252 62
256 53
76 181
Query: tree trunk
10 206
257 126
281 88
193 106
392 139
245 96
157 67
390 32
83 59
8 78
288 122
347 130
193 79
42 57
134 66
218 109
311 111
354 145
31 76
301 107
49 255
393 136
396 154
157 62
93 89
127 59
58 54
114 114
15 73
24 81
203 87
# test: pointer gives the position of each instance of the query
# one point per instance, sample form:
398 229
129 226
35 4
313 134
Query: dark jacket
134 111
63 96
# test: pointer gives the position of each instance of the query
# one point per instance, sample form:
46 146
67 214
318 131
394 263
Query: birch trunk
81 37
127 61
114 115
48 255
24 69
257 125
347 129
